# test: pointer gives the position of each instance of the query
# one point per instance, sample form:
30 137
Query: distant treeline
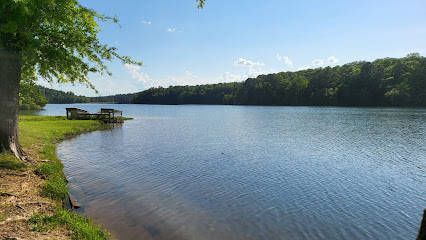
383 82
60 97
119 98
32 96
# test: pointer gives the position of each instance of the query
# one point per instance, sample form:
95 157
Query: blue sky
231 40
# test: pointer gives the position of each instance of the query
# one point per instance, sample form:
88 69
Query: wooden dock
107 115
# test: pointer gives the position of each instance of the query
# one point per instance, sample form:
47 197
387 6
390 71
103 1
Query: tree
30 97
56 40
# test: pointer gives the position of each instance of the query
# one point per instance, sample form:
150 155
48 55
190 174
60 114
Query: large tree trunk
10 76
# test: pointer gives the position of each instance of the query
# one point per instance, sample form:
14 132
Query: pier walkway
107 115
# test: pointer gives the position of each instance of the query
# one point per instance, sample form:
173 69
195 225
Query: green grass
39 135
44 130
82 227
9 161
41 118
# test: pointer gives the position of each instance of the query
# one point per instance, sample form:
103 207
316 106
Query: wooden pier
107 115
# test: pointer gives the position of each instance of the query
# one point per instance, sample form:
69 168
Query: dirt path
19 200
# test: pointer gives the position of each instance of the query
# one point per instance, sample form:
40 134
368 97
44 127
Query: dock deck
107 115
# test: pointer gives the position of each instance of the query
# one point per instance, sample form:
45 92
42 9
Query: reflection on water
234 172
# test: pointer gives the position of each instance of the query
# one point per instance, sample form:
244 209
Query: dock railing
107 115
112 115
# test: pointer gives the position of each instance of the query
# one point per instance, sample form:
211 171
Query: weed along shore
33 194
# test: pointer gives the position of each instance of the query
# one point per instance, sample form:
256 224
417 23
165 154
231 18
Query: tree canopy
58 39
30 96
53 39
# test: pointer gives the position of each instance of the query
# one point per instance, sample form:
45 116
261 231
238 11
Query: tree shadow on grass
9 161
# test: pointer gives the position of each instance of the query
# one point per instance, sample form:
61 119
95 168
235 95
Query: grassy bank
38 137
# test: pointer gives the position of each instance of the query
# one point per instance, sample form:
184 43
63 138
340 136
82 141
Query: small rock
74 203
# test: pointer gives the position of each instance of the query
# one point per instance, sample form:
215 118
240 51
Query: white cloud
108 86
318 62
251 73
188 79
139 75
332 60
245 62
146 22
172 30
229 77
256 72
286 60
303 68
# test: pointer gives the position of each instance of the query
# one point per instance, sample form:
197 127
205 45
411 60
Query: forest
32 96
55 96
383 82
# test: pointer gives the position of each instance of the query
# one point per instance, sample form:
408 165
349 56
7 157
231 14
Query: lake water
246 172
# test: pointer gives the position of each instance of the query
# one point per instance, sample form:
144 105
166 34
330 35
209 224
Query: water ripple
218 172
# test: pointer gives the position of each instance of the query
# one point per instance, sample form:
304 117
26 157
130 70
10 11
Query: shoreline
116 229
33 193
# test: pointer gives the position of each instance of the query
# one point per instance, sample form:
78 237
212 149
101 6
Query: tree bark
10 76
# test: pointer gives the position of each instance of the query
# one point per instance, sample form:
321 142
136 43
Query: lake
248 172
